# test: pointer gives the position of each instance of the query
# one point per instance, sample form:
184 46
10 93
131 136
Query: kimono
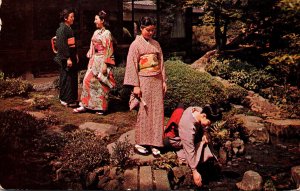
66 48
145 69
96 85
193 151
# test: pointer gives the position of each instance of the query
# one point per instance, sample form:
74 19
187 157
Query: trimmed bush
120 90
82 153
14 87
191 87
18 131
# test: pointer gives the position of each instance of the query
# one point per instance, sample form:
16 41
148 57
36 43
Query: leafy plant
14 87
18 130
122 150
82 153
241 73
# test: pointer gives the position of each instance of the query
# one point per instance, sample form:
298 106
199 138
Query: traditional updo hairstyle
65 13
104 16
147 21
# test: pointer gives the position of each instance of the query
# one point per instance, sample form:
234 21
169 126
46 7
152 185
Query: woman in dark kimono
67 58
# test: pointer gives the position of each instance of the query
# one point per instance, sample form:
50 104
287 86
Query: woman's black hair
147 21
65 13
211 113
104 16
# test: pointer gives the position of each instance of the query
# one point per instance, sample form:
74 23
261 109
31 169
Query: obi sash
53 44
149 64
71 42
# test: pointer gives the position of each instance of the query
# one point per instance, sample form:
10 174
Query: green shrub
82 153
190 87
236 94
122 152
241 73
18 130
14 87
123 92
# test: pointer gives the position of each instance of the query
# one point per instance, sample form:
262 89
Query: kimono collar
199 109
101 30
143 39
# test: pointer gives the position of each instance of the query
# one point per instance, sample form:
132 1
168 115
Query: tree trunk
218 33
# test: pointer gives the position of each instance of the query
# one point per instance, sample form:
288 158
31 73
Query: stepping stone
101 129
130 135
284 127
130 179
146 178
161 180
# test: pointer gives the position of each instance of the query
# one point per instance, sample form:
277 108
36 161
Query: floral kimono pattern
96 85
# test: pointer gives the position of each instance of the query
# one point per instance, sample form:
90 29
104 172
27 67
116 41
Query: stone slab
130 179
161 180
146 178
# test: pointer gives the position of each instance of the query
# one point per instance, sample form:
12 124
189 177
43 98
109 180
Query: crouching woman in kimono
145 72
99 78
189 139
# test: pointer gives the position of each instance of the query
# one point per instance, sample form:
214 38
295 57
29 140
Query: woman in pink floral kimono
145 71
99 78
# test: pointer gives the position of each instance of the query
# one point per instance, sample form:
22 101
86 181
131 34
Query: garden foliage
122 152
13 87
191 87
18 131
82 153
241 73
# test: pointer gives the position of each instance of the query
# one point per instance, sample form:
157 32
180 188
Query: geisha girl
145 72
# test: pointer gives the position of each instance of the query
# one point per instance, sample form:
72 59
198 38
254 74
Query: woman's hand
77 58
104 69
204 139
69 63
197 178
165 87
89 54
137 91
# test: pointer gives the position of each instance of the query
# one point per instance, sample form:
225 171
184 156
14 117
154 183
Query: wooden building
28 26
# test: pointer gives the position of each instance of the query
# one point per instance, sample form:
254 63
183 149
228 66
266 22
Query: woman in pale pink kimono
145 72
190 140
99 78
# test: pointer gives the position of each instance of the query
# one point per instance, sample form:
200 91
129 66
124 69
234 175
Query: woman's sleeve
108 49
91 51
187 136
131 72
162 65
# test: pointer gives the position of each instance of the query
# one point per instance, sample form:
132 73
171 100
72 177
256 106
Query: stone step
146 178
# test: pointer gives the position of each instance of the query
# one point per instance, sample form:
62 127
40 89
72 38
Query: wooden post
158 18
188 31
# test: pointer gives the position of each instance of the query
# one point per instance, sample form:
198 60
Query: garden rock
251 181
255 128
263 106
101 129
130 135
37 115
295 171
284 127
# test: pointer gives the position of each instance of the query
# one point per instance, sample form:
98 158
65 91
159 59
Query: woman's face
148 31
201 118
70 19
98 22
